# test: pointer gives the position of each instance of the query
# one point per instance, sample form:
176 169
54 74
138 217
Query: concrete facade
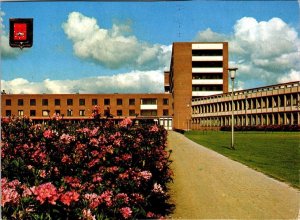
271 105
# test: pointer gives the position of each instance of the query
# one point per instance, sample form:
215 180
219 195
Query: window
149 101
69 101
119 101
8 102
82 112
148 112
8 113
69 112
57 112
57 101
131 101
20 112
119 112
81 101
166 101
165 112
131 112
94 102
45 113
32 102
200 64
32 113
106 101
44 102
207 52
20 102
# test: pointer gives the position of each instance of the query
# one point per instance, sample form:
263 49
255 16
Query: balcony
148 107
207 82
207 58
206 93
207 70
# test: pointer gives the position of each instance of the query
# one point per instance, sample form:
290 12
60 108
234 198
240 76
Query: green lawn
273 153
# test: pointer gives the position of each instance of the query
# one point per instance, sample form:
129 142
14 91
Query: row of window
196 88
82 102
46 113
250 103
207 76
255 119
207 52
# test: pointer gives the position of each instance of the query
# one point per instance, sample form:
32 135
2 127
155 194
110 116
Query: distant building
81 106
196 70
269 105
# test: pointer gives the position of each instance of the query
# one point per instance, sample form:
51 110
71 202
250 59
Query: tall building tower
196 70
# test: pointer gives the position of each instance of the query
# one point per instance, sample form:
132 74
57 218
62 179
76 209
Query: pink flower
145 175
9 192
122 197
68 197
126 212
72 181
157 189
42 173
66 138
150 215
94 200
126 157
46 191
48 133
26 191
126 122
66 159
154 128
87 214
106 196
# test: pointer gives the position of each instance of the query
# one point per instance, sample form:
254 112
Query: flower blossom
9 192
126 212
46 191
48 134
126 122
122 197
87 214
146 175
154 128
66 138
157 188
68 197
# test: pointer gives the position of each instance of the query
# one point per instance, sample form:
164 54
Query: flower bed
84 170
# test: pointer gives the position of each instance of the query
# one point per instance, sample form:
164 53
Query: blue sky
127 45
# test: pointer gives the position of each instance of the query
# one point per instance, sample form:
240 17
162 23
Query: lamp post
232 76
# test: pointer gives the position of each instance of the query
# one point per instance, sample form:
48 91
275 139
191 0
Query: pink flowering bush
86 170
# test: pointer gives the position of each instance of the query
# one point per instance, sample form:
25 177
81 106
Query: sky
124 47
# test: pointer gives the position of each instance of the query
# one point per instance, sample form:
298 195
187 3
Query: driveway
208 185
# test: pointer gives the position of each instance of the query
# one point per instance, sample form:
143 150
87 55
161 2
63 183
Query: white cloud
266 52
132 82
113 48
292 76
6 51
209 36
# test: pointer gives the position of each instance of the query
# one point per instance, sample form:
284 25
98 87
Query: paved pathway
208 185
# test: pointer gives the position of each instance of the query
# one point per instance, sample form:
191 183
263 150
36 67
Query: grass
273 153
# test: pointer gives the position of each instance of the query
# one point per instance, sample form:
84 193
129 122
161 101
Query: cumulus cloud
6 51
266 52
132 82
209 36
113 48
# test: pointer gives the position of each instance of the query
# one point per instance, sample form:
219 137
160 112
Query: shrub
61 170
